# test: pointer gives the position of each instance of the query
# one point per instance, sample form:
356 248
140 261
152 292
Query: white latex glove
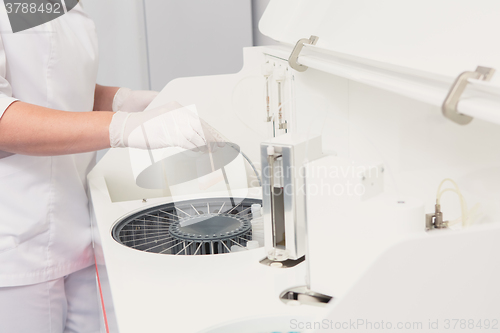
128 100
171 125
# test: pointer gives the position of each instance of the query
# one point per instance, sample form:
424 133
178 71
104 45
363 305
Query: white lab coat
44 217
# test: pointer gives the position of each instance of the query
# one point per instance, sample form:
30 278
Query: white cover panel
440 36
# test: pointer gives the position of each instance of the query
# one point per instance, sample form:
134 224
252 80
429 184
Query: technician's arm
34 130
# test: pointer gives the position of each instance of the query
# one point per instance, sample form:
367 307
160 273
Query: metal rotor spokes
194 227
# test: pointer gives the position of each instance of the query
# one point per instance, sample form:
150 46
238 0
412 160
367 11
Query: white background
146 43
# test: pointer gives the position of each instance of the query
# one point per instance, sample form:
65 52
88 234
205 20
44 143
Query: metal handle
450 104
294 56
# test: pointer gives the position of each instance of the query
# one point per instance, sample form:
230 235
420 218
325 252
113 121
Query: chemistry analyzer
360 182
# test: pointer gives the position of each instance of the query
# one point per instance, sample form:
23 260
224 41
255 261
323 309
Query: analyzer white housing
373 92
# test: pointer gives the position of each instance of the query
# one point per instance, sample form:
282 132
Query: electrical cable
248 160
463 204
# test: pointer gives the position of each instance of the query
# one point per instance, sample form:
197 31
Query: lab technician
53 117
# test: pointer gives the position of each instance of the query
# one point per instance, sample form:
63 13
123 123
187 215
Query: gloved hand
171 125
128 100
